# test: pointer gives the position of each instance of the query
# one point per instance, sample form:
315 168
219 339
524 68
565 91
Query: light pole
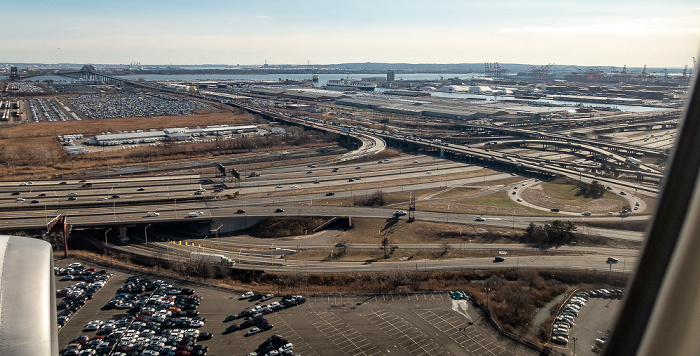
574 338
106 231
145 232
217 233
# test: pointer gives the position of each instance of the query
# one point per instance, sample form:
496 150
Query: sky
590 33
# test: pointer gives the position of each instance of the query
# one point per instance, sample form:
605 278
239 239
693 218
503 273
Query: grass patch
457 192
494 199
403 232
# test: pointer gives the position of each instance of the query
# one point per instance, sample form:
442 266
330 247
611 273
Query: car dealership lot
410 324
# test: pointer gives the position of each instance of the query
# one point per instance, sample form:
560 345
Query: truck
212 258
633 161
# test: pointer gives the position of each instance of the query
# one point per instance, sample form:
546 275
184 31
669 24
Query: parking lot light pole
106 231
145 232
574 338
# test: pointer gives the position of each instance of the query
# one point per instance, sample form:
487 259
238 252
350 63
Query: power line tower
412 207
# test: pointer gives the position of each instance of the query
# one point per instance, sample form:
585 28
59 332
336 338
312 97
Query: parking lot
416 324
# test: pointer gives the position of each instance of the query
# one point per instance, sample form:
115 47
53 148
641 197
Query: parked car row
161 320
76 296
274 345
565 320
254 317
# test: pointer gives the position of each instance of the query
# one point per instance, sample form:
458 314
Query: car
294 187
41 194
554 210
498 259
399 213
218 190
636 204
102 198
253 331
586 213
35 201
246 295
19 199
612 260
194 214
279 210
636 208
279 186
152 214
358 167
351 180
415 161
115 196
519 200
204 336
623 193
330 194
309 172
240 211
480 218
15 193
428 172
514 192
72 193
72 198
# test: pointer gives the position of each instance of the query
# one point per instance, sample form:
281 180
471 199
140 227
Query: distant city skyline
283 32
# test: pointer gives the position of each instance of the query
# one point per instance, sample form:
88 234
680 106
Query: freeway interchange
300 189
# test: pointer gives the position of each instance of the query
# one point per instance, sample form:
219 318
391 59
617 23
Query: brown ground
538 196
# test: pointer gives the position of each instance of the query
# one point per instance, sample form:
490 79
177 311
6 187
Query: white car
20 199
152 214
400 213
194 214
480 218
519 200
279 186
294 187
428 172
247 295
103 198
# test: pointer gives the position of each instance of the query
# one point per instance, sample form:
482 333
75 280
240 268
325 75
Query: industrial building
171 134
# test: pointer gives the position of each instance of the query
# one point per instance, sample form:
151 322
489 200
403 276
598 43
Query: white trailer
211 257
633 161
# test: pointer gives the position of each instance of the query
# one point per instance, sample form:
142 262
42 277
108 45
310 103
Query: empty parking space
411 339
475 338
343 336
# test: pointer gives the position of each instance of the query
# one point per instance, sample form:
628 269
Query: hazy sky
635 33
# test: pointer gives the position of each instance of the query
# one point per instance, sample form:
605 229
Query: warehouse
174 134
